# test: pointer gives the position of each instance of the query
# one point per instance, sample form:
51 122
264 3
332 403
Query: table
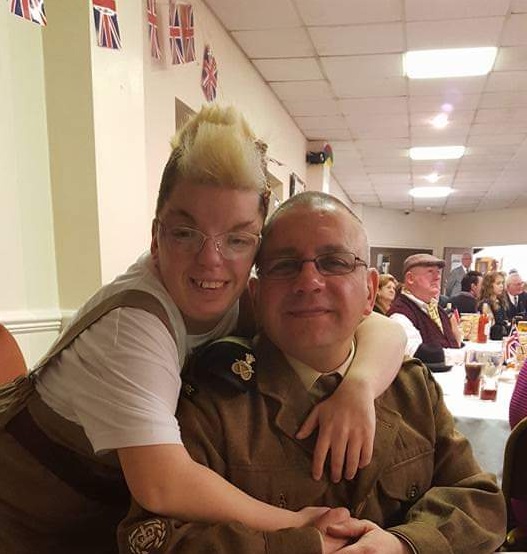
484 423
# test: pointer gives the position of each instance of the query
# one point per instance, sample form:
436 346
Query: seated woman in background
493 294
385 293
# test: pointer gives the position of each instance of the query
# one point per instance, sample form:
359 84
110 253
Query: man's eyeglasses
231 245
333 263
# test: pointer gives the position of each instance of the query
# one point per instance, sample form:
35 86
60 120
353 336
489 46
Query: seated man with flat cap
432 336
423 492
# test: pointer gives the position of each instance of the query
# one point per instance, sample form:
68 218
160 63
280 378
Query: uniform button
413 492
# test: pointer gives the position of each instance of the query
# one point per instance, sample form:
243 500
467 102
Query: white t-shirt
120 379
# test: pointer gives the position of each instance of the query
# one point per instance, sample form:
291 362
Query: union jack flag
511 344
181 33
209 74
151 10
106 24
32 10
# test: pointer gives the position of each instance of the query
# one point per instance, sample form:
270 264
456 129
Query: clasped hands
343 534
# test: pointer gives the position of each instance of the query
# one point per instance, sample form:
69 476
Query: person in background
466 302
516 297
96 423
517 412
453 284
423 492
493 294
385 293
433 336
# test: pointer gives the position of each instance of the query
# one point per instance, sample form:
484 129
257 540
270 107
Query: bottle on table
484 323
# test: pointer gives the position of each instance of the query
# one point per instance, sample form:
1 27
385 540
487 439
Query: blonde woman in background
385 293
493 294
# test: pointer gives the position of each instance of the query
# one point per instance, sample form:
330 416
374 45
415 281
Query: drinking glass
473 369
492 366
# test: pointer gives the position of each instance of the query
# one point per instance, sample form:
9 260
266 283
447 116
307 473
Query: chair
12 363
515 486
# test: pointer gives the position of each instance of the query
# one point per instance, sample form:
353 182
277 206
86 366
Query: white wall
28 280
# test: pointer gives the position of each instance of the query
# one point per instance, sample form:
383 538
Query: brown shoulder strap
125 299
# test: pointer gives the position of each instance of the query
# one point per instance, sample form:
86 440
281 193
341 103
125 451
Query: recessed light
432 177
451 62
436 152
430 192
440 121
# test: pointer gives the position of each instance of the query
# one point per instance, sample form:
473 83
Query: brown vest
56 495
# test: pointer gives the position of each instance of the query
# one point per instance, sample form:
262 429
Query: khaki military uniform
56 495
423 483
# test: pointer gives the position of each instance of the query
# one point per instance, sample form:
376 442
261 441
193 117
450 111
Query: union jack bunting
32 10
151 10
106 24
181 33
511 344
209 74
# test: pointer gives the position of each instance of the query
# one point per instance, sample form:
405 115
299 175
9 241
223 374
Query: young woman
385 294
493 294
107 392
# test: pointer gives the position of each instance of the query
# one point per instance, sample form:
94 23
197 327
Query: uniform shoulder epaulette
230 359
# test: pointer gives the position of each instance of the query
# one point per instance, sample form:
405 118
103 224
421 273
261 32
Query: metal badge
147 537
243 367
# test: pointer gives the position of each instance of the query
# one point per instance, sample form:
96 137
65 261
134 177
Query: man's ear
372 283
154 245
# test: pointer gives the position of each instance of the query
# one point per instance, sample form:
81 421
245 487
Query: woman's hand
346 422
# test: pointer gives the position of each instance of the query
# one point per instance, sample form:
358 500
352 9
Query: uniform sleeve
203 437
464 510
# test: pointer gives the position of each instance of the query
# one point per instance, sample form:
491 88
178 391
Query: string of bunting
106 24
151 14
32 10
181 33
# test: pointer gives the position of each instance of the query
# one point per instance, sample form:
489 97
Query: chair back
12 363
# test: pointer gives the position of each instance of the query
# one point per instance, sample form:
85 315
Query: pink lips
308 312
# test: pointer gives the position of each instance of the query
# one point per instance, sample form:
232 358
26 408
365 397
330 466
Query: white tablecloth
484 423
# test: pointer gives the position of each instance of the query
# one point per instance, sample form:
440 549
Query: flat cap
425 260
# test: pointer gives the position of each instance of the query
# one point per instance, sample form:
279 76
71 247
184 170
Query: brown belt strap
66 464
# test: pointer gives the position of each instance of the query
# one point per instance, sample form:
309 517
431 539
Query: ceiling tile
362 106
312 107
454 33
446 102
423 10
455 133
498 128
302 90
519 6
275 43
513 58
358 39
345 12
516 139
455 118
247 14
503 100
515 31
328 134
316 122
504 115
507 81
449 89
290 69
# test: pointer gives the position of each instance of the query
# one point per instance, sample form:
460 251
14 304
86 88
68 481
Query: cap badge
243 367
147 537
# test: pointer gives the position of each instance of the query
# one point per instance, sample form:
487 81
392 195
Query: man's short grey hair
317 201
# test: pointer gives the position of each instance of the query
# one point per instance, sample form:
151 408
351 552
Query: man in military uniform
423 492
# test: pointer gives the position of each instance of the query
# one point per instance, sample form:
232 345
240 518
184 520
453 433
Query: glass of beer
492 366
473 369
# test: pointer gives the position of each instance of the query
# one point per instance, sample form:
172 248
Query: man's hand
346 422
369 537
337 519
